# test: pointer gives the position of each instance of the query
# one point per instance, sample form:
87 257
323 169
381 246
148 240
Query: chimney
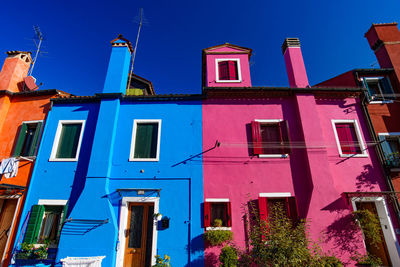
15 69
294 63
118 67
384 39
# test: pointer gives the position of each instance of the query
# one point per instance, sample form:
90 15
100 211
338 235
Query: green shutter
34 224
36 139
21 139
69 140
62 220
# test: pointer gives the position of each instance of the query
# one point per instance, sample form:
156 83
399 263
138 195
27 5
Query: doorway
139 235
7 211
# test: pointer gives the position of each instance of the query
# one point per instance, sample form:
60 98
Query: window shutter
366 86
256 135
232 70
36 139
263 208
283 125
223 70
387 88
292 209
341 130
21 139
62 220
228 214
207 214
387 151
34 223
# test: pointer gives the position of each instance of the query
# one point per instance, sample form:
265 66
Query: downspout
379 152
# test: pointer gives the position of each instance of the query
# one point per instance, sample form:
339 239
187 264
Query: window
68 141
228 70
348 138
379 88
268 202
145 140
217 209
270 138
45 223
390 143
28 139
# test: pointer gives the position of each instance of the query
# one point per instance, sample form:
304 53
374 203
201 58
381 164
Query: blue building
118 176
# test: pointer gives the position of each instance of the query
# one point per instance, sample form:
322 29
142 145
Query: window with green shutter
28 139
34 224
68 139
146 140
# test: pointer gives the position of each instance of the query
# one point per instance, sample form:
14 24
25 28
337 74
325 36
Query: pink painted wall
295 67
316 175
211 68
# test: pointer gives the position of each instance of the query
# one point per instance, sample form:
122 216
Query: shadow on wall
197 250
211 259
367 180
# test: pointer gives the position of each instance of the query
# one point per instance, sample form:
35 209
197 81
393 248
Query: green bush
218 237
162 262
367 259
330 261
29 251
228 257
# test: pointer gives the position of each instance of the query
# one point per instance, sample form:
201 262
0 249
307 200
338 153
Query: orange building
23 110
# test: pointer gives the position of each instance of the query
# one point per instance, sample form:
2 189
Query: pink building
308 148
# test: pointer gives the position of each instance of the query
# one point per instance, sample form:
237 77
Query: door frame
123 224
389 234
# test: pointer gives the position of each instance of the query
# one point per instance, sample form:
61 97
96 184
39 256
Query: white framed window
390 144
68 139
217 214
348 138
227 70
145 144
379 89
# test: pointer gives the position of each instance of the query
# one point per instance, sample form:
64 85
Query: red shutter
232 69
342 135
283 125
263 208
348 138
292 209
223 70
228 215
256 135
207 214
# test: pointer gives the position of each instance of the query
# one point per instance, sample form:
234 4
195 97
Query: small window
28 139
348 138
228 70
68 140
270 138
145 140
45 223
217 213
379 88
268 205
390 144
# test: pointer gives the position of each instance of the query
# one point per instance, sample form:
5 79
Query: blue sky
78 35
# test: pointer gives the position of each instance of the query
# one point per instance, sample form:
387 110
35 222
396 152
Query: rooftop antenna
39 37
134 50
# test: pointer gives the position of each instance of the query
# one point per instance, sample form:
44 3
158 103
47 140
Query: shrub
162 262
228 257
217 223
330 261
367 259
370 225
218 237
29 251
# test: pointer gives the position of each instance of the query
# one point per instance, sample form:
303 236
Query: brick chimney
118 66
384 39
15 69
295 68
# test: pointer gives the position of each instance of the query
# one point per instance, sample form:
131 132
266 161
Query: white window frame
389 234
218 200
57 140
377 78
364 153
275 195
123 225
392 134
217 60
132 152
274 121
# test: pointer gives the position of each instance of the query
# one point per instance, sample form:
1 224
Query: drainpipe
379 152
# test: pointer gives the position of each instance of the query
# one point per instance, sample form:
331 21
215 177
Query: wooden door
379 250
6 218
139 235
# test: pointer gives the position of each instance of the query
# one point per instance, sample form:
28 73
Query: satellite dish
30 83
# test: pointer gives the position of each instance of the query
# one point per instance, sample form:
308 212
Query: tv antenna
141 21
37 39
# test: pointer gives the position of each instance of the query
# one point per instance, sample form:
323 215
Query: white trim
269 121
272 121
211 228
52 202
32 122
390 134
123 224
238 69
57 140
277 195
11 229
379 94
132 152
359 137
386 225
217 200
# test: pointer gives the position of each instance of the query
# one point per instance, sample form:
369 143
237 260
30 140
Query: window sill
150 159
218 228
61 159
273 155
380 102
353 155
228 81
